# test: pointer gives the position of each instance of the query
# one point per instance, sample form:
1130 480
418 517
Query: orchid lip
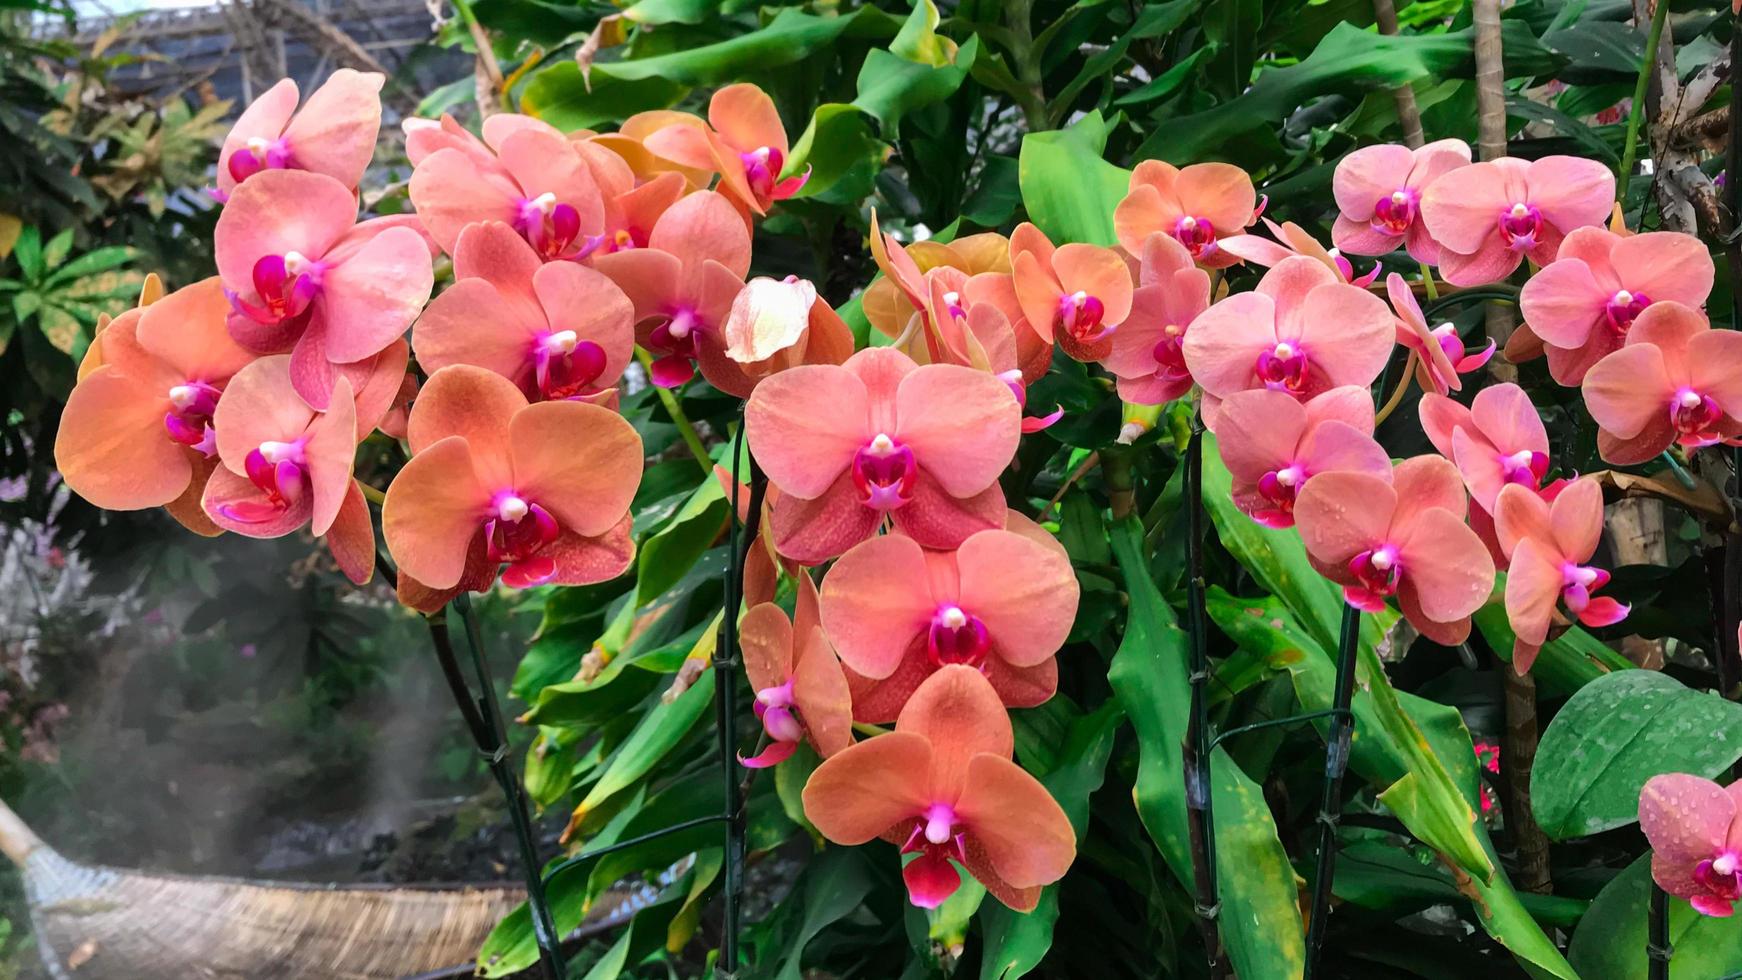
1521 226
884 472
957 637
1197 235
1394 214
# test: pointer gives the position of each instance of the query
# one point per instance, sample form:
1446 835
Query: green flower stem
1630 153
674 408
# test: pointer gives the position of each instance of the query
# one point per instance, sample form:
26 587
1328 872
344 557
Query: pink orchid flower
775 324
1148 354
942 786
1076 294
286 465
557 330
1274 446
1403 538
334 133
302 277
535 181
1696 840
1002 603
881 437
1497 442
1488 216
746 145
1196 205
542 489
1440 353
683 285
1548 546
1379 190
137 430
801 690
1292 239
1673 383
1583 303
1302 331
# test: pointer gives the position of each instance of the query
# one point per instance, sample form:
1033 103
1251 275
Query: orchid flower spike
1487 217
540 492
1196 205
1273 446
1583 304
1379 191
1404 539
557 330
1002 603
1302 332
1674 382
1148 355
333 134
1696 840
881 437
303 278
1548 583
1441 357
137 429
682 285
801 691
942 787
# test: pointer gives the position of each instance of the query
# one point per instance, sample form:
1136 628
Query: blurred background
225 706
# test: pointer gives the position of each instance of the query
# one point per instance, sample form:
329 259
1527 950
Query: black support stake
1336 764
1200 808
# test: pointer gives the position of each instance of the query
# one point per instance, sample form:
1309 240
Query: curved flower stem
486 723
726 665
674 409
1657 947
1201 822
1397 394
374 496
1428 285
1336 764
1630 152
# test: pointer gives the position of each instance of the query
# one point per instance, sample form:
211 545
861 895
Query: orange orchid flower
801 690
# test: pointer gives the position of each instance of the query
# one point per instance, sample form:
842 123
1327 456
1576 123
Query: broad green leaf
1609 943
1156 20
997 194
645 934
587 704
1165 84
832 886
655 12
28 249
1069 190
842 153
1617 732
57 249
668 555
659 731
560 96
1016 943
548 765
1260 915
1598 50
100 260
1564 664
919 40
891 86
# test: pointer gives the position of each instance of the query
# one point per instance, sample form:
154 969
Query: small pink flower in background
683 284
1488 757
744 142
1487 217
1674 382
493 481
1583 304
775 324
1274 445
137 431
943 786
334 133
1148 355
287 465
1405 538
525 173
302 277
1301 332
1196 205
1002 603
1441 355
800 689
1291 240
881 437
1696 840
1076 295
557 330
1547 546
1379 190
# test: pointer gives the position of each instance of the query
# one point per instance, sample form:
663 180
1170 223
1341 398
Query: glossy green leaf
1617 732
1016 943
1260 918
1069 190
667 556
561 96
833 885
891 86
842 153
1609 943
919 40
658 732
1564 664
